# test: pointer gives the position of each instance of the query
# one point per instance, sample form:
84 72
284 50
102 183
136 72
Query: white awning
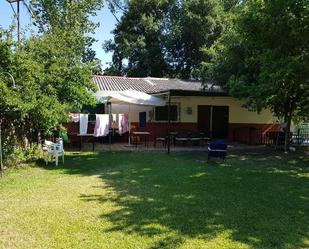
129 97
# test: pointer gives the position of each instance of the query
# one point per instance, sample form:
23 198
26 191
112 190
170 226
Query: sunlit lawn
151 200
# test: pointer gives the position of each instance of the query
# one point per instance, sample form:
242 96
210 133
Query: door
203 118
220 121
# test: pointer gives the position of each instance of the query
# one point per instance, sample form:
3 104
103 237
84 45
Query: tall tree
163 37
137 38
70 19
52 70
264 59
194 25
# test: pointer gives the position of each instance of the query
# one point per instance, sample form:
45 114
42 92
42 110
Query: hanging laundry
101 128
83 124
123 123
74 117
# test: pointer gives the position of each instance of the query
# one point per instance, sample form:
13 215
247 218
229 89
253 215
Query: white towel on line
83 123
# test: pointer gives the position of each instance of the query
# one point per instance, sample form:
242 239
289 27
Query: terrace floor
98 147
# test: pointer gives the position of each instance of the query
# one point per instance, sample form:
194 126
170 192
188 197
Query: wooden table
141 134
81 136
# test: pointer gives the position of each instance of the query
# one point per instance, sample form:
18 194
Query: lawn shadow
260 200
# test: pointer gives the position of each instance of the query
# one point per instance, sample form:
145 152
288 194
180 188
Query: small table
141 134
87 136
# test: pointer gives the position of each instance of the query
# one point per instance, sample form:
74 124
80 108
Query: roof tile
149 85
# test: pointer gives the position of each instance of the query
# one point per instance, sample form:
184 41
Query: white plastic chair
52 151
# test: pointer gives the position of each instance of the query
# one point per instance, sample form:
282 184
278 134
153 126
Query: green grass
151 200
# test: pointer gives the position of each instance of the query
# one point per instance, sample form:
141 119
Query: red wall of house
249 133
244 133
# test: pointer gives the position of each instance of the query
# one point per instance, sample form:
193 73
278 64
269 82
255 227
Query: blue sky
104 17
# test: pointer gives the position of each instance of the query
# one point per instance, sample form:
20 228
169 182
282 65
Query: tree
137 38
11 105
194 26
70 19
264 58
52 70
163 37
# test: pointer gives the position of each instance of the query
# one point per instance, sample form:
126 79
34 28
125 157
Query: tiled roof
150 85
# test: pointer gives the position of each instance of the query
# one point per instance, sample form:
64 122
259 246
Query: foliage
154 200
195 26
21 155
66 15
264 57
48 84
71 18
52 70
137 37
163 37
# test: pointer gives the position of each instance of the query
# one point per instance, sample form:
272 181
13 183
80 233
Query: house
195 107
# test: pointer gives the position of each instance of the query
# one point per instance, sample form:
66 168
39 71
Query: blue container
217 148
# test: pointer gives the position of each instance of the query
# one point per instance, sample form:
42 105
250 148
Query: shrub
21 155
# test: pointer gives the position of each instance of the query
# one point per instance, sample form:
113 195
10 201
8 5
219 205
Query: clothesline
103 123
74 117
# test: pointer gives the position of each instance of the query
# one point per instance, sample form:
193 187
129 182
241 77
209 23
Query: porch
102 147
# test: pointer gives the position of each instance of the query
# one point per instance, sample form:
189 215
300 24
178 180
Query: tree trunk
287 132
39 138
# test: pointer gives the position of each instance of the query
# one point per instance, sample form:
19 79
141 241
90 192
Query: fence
253 136
301 137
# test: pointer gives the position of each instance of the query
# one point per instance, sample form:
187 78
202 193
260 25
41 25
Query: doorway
203 118
213 120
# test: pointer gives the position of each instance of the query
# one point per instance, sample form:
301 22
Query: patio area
99 147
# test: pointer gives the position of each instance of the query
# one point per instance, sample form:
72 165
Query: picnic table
139 136
88 135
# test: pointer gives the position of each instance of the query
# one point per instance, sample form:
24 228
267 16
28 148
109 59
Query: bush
20 155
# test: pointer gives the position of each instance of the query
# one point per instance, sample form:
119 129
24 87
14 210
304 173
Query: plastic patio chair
52 151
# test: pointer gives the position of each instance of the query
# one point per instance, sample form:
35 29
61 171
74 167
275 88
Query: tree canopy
70 20
52 70
164 38
264 57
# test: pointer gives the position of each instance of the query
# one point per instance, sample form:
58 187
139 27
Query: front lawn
151 200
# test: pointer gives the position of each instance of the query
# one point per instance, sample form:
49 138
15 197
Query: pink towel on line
101 128
123 123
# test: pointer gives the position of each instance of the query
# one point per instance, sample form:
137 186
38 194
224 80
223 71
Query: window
161 113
